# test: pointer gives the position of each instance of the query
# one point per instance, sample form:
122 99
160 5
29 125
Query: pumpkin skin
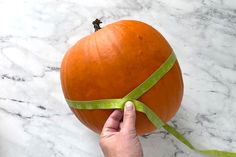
112 62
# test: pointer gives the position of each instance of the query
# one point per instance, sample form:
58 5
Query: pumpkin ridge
96 45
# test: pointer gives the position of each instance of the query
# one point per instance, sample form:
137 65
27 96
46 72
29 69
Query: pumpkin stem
96 24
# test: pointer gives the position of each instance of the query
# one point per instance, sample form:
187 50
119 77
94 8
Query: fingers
113 122
129 117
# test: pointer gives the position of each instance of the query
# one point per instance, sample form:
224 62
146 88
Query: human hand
119 138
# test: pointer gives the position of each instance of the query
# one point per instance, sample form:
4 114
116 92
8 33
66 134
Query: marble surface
34 35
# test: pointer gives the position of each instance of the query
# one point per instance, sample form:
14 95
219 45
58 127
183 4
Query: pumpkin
111 62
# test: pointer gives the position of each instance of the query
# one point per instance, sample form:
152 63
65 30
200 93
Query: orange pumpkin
113 61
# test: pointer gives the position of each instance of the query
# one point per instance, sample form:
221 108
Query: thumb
129 117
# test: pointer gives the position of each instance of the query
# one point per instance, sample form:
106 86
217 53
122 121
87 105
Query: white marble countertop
35 121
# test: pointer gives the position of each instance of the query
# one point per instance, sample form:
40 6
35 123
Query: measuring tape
141 107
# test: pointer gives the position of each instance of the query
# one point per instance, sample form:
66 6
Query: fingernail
129 106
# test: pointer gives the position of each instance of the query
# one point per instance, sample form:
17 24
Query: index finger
113 122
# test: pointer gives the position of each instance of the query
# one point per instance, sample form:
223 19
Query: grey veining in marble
34 35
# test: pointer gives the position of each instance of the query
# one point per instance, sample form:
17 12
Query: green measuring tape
141 107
